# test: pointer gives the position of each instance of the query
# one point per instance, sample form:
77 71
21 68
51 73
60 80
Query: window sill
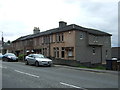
70 56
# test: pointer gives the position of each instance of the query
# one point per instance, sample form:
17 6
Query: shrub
21 56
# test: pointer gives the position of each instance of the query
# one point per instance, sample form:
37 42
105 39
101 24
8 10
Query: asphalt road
19 75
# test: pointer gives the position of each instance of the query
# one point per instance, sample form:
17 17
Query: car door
5 57
32 59
29 59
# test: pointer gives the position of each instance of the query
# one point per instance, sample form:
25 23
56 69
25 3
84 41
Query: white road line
27 73
3 67
72 86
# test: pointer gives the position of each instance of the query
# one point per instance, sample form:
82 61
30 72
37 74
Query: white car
1 55
37 59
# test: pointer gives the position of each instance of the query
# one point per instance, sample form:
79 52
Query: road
19 75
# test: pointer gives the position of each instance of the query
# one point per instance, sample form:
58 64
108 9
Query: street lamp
2 42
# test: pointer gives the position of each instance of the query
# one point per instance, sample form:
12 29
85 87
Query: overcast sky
19 17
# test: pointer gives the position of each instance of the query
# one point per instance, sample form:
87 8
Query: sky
19 17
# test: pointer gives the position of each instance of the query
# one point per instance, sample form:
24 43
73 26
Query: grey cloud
102 16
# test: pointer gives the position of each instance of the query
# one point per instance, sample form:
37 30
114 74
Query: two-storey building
68 42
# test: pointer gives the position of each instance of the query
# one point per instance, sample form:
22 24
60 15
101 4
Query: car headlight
9 56
37 59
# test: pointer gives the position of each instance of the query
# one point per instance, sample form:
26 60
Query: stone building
68 42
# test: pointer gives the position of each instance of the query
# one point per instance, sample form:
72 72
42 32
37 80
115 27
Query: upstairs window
62 37
51 38
81 36
59 37
93 50
42 40
95 39
106 53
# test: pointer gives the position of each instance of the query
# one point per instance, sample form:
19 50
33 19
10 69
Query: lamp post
2 42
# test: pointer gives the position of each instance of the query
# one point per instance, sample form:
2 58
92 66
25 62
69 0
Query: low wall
73 63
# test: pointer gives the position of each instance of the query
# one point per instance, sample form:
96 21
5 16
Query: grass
98 67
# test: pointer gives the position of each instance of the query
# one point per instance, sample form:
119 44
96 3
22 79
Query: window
56 52
54 38
93 50
48 40
51 38
42 40
81 36
45 39
57 37
95 39
45 51
106 53
63 52
35 42
70 53
62 37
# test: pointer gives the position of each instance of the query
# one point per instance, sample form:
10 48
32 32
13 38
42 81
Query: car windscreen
39 56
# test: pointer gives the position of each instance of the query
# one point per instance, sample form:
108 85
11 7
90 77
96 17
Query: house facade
68 42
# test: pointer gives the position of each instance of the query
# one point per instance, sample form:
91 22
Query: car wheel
7 60
36 64
26 62
3 59
49 65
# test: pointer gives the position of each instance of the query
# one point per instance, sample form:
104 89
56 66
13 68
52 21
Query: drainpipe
2 43
101 54
49 46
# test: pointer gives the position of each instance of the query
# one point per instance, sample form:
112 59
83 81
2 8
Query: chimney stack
62 24
36 30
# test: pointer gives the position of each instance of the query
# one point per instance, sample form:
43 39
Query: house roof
64 29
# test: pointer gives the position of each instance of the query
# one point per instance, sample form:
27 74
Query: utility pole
2 39
2 43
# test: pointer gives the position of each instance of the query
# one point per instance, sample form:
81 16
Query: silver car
37 59
10 57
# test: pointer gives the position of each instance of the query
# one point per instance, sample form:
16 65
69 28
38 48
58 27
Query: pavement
91 70
87 69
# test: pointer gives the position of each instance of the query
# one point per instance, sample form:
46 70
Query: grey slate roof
63 29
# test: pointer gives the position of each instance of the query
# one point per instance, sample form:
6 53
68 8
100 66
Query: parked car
9 57
38 59
1 55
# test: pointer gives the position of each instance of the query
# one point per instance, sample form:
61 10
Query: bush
21 57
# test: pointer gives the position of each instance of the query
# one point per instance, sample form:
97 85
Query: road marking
72 86
27 73
3 67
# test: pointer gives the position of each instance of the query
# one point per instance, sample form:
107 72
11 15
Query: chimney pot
62 24
36 30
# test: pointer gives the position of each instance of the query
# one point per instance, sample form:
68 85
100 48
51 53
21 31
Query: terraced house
68 42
